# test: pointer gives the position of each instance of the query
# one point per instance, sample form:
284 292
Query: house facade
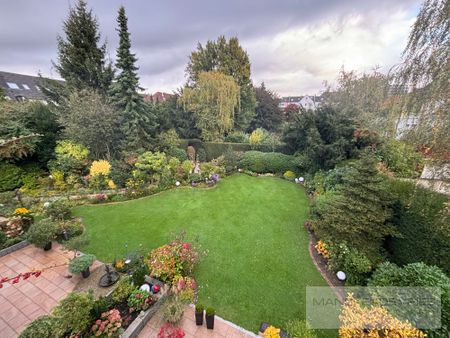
306 102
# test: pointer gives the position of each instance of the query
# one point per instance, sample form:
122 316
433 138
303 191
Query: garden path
23 302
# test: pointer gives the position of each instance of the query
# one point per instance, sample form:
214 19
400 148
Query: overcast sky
294 45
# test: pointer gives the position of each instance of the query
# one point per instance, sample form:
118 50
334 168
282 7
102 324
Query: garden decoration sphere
145 287
341 275
296 180
46 204
177 183
156 288
301 179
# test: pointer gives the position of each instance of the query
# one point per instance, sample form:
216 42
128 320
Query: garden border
14 247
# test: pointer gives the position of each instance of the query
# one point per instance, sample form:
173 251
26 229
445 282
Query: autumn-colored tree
213 100
373 322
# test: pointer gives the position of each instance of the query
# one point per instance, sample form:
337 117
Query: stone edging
13 248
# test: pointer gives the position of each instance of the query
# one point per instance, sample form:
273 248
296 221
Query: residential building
20 87
307 102
157 97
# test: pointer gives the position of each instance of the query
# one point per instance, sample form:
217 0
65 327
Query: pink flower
186 246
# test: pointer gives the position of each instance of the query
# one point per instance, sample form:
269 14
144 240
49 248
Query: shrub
199 308
184 288
421 217
109 324
298 328
74 313
171 260
3 238
177 153
195 177
170 331
173 310
237 137
401 158
32 178
373 322
59 210
257 136
355 264
289 175
40 328
416 275
168 139
268 162
123 290
201 155
101 305
11 177
72 228
81 263
140 300
42 232
139 273
210 311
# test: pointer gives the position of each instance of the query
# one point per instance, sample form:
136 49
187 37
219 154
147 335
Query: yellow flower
101 167
120 264
271 332
21 211
111 184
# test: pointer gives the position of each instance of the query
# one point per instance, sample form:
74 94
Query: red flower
186 246
37 274
138 296
16 280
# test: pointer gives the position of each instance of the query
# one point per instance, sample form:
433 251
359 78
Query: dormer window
25 86
12 85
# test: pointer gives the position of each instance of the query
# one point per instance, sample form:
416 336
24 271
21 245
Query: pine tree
358 214
81 61
138 122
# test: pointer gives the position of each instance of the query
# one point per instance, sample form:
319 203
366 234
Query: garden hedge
422 220
276 163
216 149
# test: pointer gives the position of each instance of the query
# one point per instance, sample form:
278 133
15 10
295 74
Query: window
25 86
12 85
38 88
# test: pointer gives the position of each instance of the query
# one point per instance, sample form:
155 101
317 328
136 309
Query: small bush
140 300
81 263
210 311
123 290
59 210
11 177
139 273
100 306
3 238
199 308
237 137
299 329
401 158
74 313
42 232
289 175
41 327
173 310
177 153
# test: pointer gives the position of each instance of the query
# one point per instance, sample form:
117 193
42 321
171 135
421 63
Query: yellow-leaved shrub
101 167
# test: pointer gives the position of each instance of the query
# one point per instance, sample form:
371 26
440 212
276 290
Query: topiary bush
42 232
276 163
11 177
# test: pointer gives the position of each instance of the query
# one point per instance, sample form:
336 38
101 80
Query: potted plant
81 265
209 316
199 308
42 233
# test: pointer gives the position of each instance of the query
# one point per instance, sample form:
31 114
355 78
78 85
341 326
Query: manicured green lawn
258 263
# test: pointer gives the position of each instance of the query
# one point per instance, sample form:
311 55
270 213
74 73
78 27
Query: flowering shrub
101 167
111 184
271 332
289 175
171 260
140 300
170 331
108 325
322 249
373 322
185 288
21 212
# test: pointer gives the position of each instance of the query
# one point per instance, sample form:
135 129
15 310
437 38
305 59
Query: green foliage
72 228
417 275
213 101
81 263
140 300
210 311
33 178
173 310
123 290
324 137
355 264
201 155
421 217
89 120
3 239
81 61
71 159
229 58
268 114
299 328
401 158
139 122
199 308
73 313
168 139
151 164
359 212
268 162
100 306
178 153
139 273
120 172
231 160
59 210
236 136
11 177
289 175
257 136
42 232
42 327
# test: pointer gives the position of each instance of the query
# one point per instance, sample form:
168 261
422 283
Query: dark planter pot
48 246
199 318
209 322
86 273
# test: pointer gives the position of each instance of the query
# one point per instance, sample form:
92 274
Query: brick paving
23 302
222 328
